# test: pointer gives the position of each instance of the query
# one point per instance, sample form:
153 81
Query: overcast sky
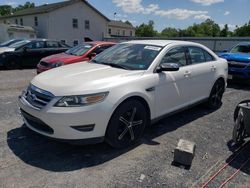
168 13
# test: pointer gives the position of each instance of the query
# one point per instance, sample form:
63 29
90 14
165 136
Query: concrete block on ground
184 152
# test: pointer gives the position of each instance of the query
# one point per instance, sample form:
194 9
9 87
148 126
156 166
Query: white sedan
122 90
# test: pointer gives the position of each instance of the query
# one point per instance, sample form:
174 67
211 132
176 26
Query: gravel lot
30 160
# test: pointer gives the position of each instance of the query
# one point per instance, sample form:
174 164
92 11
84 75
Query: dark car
27 53
82 52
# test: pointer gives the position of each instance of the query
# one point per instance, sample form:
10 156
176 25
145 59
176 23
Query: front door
32 53
172 91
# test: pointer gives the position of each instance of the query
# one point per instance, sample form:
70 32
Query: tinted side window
208 56
52 44
196 55
35 45
100 49
175 55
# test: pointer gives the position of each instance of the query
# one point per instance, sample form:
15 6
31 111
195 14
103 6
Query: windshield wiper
111 64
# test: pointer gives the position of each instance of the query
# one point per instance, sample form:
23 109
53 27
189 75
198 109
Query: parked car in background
238 59
122 90
82 52
10 42
27 53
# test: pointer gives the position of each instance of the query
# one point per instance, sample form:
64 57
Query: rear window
80 49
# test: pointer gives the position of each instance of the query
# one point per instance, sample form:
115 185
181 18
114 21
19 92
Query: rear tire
215 98
127 124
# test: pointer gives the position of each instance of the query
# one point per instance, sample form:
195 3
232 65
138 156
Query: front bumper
63 122
236 72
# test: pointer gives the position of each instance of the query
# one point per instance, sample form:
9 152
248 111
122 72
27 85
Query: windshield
79 50
129 56
19 44
241 48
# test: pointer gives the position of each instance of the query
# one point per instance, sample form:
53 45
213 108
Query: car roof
160 42
100 42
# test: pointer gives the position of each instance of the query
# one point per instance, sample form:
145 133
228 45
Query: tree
5 10
225 31
25 6
128 22
146 30
243 31
170 32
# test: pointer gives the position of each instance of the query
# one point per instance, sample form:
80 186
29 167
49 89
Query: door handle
187 74
213 68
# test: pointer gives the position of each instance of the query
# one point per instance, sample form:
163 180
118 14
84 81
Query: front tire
12 64
215 98
127 124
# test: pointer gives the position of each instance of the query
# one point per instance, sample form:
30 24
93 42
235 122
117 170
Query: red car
83 52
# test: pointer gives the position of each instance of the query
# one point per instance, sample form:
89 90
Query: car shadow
41 152
239 84
240 157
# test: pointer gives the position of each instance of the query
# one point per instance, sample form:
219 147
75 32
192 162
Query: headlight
58 64
81 100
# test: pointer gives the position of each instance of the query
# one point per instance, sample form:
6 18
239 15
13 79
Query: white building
120 29
70 21
11 31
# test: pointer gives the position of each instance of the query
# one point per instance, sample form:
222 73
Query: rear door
54 47
203 66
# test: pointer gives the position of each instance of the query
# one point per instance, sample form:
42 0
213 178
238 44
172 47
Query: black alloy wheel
215 98
239 128
127 124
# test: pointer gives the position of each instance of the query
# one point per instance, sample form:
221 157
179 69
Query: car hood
6 49
241 57
83 78
61 57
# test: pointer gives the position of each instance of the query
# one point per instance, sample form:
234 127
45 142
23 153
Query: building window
4 21
109 31
32 36
75 23
16 21
75 42
87 24
131 33
118 32
21 21
36 21
123 32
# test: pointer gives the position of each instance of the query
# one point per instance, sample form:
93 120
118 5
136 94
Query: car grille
37 97
45 64
37 123
235 64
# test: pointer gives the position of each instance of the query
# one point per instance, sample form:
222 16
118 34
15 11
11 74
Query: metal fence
217 44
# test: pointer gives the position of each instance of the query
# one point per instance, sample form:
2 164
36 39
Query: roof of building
50 7
120 24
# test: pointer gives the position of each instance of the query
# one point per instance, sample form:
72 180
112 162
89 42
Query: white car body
164 92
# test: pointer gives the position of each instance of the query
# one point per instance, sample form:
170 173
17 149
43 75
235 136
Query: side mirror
92 55
168 67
